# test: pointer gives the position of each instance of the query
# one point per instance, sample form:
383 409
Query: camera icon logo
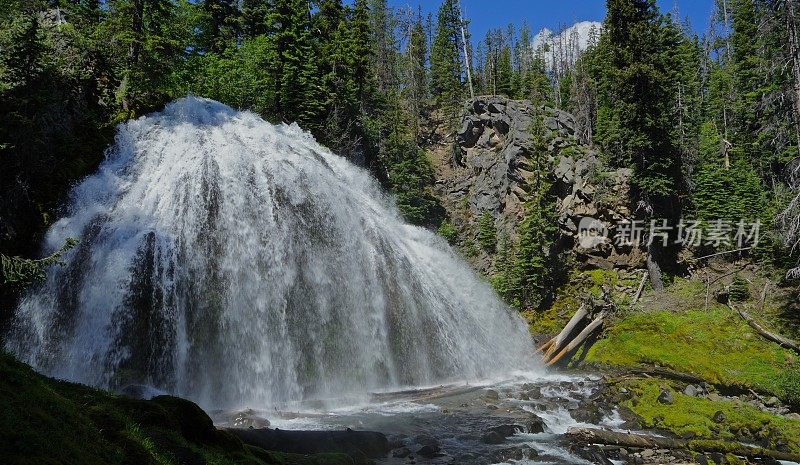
591 232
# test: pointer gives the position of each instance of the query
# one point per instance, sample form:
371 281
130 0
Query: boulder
356 444
691 391
666 397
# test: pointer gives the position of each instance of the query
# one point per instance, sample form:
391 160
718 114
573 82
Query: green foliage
788 384
241 77
487 233
445 67
636 96
740 289
726 187
449 232
526 269
49 421
21 272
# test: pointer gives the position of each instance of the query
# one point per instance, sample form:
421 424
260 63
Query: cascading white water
236 262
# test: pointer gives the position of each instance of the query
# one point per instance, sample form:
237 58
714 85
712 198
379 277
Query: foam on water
236 262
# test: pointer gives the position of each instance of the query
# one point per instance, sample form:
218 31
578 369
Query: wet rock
430 445
248 418
508 430
535 393
691 391
493 437
491 394
498 434
429 451
426 440
719 417
356 444
647 453
401 453
535 425
666 397
141 391
573 405
587 414
593 455
516 454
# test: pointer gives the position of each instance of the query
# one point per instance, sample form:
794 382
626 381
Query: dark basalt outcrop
501 148
360 445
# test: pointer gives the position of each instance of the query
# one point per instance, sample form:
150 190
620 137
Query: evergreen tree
220 24
532 273
505 73
299 95
384 44
416 87
445 66
487 233
150 38
254 17
636 101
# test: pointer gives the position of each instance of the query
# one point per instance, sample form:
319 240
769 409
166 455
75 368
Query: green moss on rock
705 419
49 422
715 345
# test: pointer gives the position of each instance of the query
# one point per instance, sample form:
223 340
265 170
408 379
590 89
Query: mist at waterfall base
236 262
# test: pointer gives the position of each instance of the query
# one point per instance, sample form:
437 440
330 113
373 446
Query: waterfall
234 262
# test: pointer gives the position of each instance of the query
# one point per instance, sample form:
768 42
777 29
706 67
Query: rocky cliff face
492 168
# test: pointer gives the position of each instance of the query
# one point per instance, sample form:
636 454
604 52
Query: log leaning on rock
590 436
356 444
589 317
582 336
557 342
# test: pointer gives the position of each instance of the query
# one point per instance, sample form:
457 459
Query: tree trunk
794 53
589 436
591 328
555 344
654 269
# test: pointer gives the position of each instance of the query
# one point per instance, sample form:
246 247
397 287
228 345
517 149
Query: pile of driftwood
586 321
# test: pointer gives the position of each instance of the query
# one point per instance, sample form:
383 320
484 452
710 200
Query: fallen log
356 444
777 338
590 436
640 289
660 372
582 336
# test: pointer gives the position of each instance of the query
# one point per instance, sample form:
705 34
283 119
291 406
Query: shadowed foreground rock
357 444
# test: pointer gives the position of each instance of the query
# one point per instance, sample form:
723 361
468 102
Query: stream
454 423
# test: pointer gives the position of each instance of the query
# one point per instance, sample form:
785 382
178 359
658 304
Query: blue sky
489 14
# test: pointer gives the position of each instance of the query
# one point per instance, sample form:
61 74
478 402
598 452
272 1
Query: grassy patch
715 345
694 416
45 421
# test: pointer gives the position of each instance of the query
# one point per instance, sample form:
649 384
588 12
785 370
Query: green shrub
740 289
487 233
449 232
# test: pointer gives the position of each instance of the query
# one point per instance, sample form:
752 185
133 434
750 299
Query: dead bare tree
789 219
